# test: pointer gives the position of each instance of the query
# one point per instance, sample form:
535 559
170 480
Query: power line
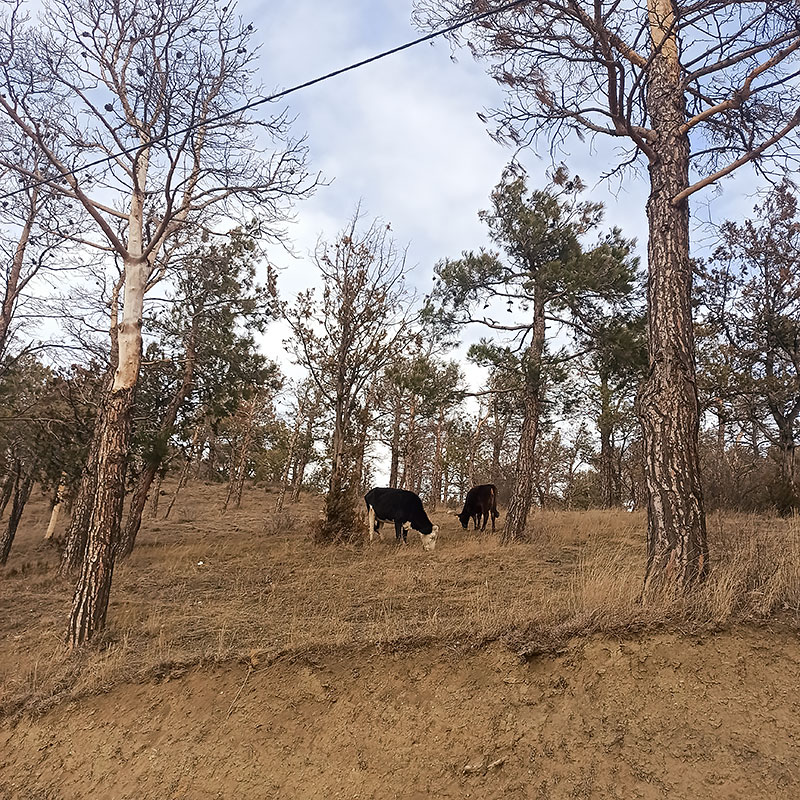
277 96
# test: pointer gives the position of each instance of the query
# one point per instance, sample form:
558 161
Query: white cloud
402 136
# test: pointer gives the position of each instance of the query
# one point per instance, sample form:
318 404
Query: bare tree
696 90
752 294
35 228
151 94
251 415
345 338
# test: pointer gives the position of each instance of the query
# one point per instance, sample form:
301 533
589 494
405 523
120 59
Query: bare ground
276 669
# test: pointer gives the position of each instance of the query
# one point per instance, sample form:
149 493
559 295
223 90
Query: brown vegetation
207 587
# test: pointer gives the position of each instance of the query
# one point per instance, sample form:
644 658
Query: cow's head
464 519
429 539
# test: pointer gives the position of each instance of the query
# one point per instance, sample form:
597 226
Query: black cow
481 501
405 510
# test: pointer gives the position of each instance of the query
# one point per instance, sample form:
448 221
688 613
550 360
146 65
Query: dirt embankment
667 716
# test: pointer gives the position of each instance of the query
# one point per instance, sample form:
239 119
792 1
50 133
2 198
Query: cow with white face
405 510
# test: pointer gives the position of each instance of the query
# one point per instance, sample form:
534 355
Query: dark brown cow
481 501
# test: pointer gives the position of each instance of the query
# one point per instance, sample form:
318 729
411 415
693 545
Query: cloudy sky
402 135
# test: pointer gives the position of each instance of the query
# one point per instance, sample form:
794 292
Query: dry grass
208 586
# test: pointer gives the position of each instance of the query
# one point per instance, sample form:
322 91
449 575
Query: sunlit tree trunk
677 549
58 501
90 603
81 518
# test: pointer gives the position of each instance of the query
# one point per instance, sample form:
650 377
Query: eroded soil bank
715 716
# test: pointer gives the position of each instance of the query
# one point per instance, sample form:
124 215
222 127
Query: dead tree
239 456
344 339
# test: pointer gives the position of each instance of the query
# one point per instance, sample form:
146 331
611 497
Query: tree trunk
394 469
139 497
605 425
22 491
436 477
305 456
236 483
58 501
136 509
519 505
337 452
361 447
193 448
474 445
788 499
677 548
8 487
155 495
14 274
498 440
409 448
208 467
722 428
289 458
81 519
340 523
90 603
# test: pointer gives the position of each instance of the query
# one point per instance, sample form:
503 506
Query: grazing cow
481 501
405 510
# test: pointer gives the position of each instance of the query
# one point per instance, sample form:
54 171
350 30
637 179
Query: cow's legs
493 519
401 531
485 519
